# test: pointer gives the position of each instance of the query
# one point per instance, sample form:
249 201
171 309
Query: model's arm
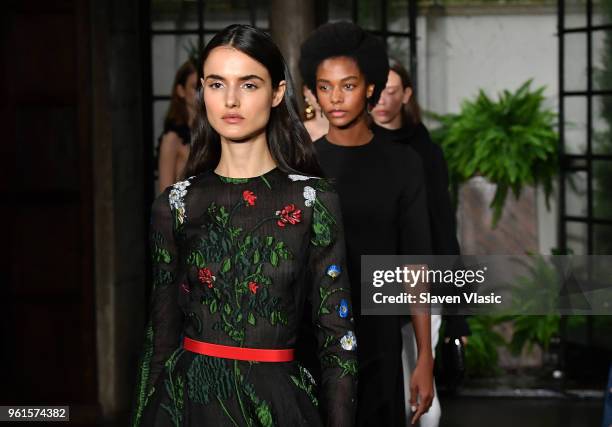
165 324
168 153
332 310
416 240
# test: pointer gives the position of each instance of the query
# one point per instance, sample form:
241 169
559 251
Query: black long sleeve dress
441 214
384 204
234 262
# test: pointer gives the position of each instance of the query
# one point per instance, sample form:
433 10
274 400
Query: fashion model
382 194
238 248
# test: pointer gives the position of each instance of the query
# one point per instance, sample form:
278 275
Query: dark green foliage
511 142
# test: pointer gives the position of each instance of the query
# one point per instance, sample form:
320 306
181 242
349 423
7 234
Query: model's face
391 101
188 92
342 90
238 94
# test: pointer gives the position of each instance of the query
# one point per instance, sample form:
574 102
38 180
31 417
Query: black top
181 130
234 261
441 214
384 206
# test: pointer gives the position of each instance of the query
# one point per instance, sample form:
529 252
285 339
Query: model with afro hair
384 205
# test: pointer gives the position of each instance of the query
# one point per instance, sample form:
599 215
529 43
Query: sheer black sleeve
332 311
165 323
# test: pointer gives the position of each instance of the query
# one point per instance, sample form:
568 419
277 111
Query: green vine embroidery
239 292
142 396
306 383
349 367
175 388
323 222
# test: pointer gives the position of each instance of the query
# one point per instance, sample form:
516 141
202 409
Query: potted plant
510 141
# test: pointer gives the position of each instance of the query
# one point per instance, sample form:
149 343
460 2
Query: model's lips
381 112
232 118
337 113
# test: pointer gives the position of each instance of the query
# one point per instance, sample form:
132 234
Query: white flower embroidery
176 196
298 177
349 341
310 195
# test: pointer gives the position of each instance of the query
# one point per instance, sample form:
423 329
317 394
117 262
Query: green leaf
269 240
227 264
213 307
256 257
227 309
324 310
251 319
274 258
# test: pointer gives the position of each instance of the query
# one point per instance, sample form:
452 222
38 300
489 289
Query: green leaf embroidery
227 264
251 319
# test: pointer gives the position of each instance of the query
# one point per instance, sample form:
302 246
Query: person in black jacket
397 117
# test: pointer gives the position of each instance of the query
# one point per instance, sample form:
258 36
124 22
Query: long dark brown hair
411 112
177 111
288 141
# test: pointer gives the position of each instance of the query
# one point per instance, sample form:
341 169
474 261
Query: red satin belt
238 353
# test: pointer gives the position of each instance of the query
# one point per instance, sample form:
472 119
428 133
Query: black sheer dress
235 261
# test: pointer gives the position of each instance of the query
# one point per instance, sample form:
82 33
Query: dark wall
46 273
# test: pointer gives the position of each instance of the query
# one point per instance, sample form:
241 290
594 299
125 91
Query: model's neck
245 158
356 133
394 124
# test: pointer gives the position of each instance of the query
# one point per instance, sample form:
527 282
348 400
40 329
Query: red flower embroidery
206 276
253 287
249 197
290 215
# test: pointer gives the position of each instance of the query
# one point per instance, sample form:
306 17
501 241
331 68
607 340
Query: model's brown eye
323 88
215 85
350 86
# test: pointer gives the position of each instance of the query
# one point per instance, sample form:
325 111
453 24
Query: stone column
291 21
119 210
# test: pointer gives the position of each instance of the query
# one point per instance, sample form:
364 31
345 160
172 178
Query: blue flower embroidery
343 308
333 271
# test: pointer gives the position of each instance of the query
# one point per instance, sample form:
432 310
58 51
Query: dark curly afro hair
345 39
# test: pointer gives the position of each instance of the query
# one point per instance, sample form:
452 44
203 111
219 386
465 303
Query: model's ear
279 92
370 91
407 95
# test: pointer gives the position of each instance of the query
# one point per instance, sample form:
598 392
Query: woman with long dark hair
397 117
238 248
173 148
383 200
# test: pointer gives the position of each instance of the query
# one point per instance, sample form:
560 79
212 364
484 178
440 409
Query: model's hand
421 387
464 340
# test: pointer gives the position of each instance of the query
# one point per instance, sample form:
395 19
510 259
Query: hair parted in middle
288 141
337 39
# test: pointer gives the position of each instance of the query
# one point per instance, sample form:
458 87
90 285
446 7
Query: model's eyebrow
343 80
242 79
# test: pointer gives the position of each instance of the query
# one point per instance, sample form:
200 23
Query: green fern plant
512 142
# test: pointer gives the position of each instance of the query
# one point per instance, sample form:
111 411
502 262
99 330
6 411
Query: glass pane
220 14
399 48
576 194
602 60
263 14
369 16
174 15
575 62
602 124
602 12
340 10
397 16
576 237
169 53
602 191
575 125
575 13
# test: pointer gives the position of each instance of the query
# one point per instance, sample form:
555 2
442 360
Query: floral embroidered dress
234 262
